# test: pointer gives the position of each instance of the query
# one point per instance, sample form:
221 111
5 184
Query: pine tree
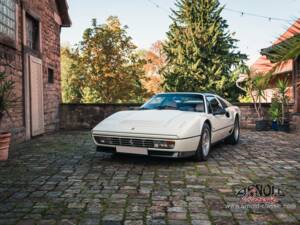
201 52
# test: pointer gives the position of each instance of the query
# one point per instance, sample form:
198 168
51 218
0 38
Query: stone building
30 54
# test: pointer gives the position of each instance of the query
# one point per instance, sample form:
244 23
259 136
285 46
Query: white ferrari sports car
171 125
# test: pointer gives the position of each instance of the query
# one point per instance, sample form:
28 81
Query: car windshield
183 102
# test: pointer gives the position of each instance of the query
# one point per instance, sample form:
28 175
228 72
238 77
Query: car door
219 122
229 114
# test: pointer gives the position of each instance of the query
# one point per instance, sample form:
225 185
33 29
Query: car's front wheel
204 144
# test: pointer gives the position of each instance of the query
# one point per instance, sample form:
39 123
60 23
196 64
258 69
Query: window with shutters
8 18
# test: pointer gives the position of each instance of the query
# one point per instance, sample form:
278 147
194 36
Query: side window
213 104
223 103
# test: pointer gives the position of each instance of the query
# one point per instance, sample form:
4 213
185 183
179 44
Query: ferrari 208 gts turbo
171 125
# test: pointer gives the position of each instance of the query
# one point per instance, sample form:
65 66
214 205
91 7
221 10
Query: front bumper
183 147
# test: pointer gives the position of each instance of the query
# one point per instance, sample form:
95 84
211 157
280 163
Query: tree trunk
255 104
283 112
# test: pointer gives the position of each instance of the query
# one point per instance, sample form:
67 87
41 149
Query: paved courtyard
60 179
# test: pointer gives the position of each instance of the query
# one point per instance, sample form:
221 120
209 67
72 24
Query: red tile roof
291 32
263 65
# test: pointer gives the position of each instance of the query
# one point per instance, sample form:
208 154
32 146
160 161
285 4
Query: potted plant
274 112
282 86
6 100
257 84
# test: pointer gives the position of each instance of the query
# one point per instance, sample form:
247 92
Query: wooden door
36 96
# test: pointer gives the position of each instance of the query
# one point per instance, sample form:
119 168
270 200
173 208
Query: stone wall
295 122
13 120
249 115
86 116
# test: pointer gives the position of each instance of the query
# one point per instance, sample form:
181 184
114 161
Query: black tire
234 138
200 154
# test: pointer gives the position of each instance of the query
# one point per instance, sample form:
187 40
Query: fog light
164 144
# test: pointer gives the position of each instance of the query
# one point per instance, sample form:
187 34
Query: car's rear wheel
204 144
234 137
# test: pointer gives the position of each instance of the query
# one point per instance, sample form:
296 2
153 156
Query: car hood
151 122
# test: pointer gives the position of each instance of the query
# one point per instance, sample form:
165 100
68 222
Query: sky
148 23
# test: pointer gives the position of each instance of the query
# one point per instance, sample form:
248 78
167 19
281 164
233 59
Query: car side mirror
220 112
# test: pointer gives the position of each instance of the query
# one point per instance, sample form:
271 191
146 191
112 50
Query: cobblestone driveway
60 179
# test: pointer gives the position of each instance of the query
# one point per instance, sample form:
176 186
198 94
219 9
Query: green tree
111 66
155 62
105 67
201 53
72 80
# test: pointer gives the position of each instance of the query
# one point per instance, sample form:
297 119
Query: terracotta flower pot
4 145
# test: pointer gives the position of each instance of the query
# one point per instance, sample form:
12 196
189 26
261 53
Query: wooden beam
296 83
